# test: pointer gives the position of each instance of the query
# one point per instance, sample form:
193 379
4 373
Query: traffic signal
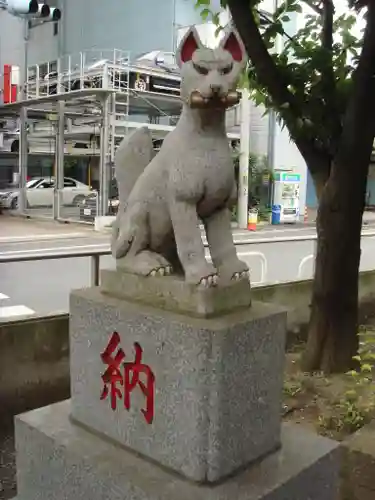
55 14
43 11
33 9
23 7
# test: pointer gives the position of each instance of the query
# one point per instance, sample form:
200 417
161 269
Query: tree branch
264 16
271 78
359 122
328 75
327 21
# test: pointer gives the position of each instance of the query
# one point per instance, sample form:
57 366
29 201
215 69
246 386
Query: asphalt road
44 286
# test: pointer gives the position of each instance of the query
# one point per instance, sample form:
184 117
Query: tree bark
320 177
332 340
332 336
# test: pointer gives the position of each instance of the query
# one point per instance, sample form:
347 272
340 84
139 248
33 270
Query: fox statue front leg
189 243
222 248
220 242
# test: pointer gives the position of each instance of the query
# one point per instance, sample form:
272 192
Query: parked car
89 206
39 193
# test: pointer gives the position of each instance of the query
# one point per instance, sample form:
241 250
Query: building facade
137 26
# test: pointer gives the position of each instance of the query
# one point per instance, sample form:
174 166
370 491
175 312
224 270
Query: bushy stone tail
132 157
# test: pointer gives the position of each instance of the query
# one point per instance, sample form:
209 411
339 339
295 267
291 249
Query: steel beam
23 152
104 158
59 161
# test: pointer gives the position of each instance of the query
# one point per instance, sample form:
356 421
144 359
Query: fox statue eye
226 70
200 69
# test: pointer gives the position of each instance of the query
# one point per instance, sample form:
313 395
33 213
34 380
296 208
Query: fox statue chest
201 171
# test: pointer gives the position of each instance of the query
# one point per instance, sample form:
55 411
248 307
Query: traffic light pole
26 38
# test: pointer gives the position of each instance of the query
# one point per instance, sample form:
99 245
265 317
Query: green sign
291 177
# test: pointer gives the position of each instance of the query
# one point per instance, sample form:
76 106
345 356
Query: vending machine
286 194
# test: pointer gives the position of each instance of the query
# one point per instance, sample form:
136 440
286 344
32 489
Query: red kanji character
112 375
132 372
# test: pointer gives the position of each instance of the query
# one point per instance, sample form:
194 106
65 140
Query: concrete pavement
20 228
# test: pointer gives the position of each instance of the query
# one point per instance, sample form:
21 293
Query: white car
39 193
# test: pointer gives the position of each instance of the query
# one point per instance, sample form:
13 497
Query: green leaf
205 13
216 19
217 31
366 368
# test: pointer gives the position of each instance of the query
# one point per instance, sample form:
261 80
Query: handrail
98 250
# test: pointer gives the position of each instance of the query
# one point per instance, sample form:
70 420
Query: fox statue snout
209 76
227 100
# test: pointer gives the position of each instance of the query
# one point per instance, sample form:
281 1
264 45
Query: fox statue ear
188 45
233 44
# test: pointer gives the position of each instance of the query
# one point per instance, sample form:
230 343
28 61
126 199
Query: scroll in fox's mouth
198 101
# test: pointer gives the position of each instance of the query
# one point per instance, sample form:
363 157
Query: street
44 286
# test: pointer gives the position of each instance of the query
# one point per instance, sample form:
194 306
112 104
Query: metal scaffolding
86 98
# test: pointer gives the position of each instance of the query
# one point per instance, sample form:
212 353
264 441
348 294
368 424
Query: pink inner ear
189 47
232 45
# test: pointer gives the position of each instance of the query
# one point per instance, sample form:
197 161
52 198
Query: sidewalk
368 216
21 229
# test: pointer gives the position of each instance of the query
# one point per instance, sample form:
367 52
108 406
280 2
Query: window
55 29
32 183
47 184
43 70
69 183
53 66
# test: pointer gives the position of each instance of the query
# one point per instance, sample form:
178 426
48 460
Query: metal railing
97 251
28 256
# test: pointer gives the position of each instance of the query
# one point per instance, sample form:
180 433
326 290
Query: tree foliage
320 82
314 68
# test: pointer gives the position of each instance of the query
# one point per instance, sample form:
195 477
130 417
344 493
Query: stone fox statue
164 197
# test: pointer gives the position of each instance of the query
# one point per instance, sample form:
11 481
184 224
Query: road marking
40 237
12 311
3 296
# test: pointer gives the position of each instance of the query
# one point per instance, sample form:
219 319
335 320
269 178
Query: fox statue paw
162 271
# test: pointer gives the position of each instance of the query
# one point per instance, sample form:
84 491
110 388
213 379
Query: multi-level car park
75 111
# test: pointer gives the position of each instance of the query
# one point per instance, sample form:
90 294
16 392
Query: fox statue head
209 76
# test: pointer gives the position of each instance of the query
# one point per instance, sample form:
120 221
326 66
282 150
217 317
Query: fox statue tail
132 157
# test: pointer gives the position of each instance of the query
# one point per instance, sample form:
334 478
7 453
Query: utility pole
27 10
243 179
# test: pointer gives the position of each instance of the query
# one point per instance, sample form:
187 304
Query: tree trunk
320 178
332 340
332 334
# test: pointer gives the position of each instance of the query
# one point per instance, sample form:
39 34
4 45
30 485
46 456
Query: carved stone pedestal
178 401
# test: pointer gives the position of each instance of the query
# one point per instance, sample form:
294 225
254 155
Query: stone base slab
57 460
174 294
217 382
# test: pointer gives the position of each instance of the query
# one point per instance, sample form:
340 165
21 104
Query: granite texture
218 382
57 460
163 198
175 294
